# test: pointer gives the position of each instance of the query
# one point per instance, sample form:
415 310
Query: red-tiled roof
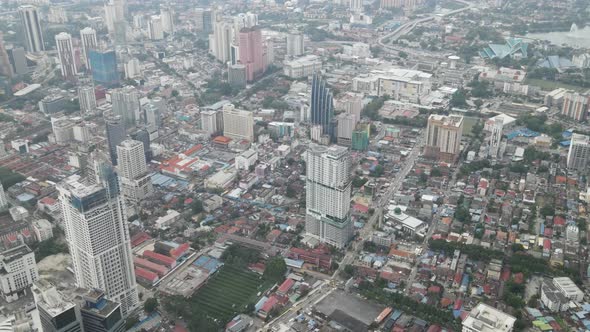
222 140
139 238
48 200
269 304
286 286
169 261
161 270
145 274
181 250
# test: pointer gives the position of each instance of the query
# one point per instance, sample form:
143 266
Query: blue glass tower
322 106
104 67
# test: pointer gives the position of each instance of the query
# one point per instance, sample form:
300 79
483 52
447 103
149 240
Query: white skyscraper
356 6
135 180
31 22
578 156
132 68
155 28
238 124
89 41
209 121
3 200
87 99
18 272
495 138
167 14
97 235
66 55
295 46
126 104
220 41
327 190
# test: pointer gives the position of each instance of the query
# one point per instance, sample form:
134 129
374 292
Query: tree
403 55
197 206
458 99
275 269
150 305
547 210
291 192
130 322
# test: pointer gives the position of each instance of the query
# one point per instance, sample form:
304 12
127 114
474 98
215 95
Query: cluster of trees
473 167
240 256
480 89
271 102
539 123
371 110
275 269
473 251
358 181
196 320
8 178
514 295
50 247
417 122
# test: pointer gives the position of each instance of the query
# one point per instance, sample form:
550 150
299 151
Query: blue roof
25 197
565 143
294 263
512 46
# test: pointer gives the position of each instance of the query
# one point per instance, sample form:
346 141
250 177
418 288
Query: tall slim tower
126 104
115 128
356 6
98 238
295 45
31 22
496 138
3 200
5 66
251 53
135 180
87 99
322 106
578 157
89 41
167 14
220 41
443 137
66 55
327 192
155 28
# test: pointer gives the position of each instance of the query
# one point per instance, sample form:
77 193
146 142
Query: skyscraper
56 313
115 129
220 41
167 14
443 137
495 138
251 53
238 124
66 55
3 200
104 67
578 156
18 60
31 22
87 99
125 103
89 42
135 180
356 6
98 238
155 28
575 106
209 121
322 106
5 67
327 191
143 135
295 45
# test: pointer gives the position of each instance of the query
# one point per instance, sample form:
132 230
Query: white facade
155 28
135 181
3 200
132 68
62 129
356 6
579 152
66 55
97 235
302 67
328 186
43 229
209 121
221 179
295 45
31 22
346 124
167 14
495 138
126 104
18 271
569 289
220 41
246 159
89 41
238 124
484 318
581 60
87 99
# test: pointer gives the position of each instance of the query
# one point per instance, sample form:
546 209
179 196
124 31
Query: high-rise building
31 22
295 46
360 137
89 42
3 200
356 6
322 106
135 180
87 99
152 114
251 53
238 124
327 191
167 15
575 106
94 221
578 156
495 138
209 121
346 125
18 60
56 313
5 67
132 68
18 271
351 103
203 20
104 67
443 137
115 129
220 41
209 18
155 28
125 103
143 135
66 55
236 75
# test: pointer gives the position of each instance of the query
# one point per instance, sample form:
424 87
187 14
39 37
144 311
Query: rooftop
484 318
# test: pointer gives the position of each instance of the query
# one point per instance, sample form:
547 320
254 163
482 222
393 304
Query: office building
167 15
134 178
103 64
209 122
322 106
132 68
125 103
87 99
62 129
18 271
328 184
115 129
3 200
302 67
579 153
89 42
97 234
143 135
18 60
66 55
238 124
237 75
443 137
351 103
200 19
575 106
155 28
495 139
360 137
356 6
31 23
484 318
152 114
220 41
56 313
52 104
295 46
251 53
346 125
5 66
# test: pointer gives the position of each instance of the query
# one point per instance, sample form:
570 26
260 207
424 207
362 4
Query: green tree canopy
275 269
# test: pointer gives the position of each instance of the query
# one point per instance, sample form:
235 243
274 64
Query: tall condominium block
167 14
327 189
125 103
5 66
135 180
251 52
18 271
95 225
295 46
495 139
155 28
116 133
66 55
18 60
443 137
238 124
322 106
31 23
3 200
103 64
356 6
89 42
220 41
209 121
575 106
578 156
87 99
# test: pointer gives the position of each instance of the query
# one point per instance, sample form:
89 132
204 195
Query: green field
551 85
228 293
